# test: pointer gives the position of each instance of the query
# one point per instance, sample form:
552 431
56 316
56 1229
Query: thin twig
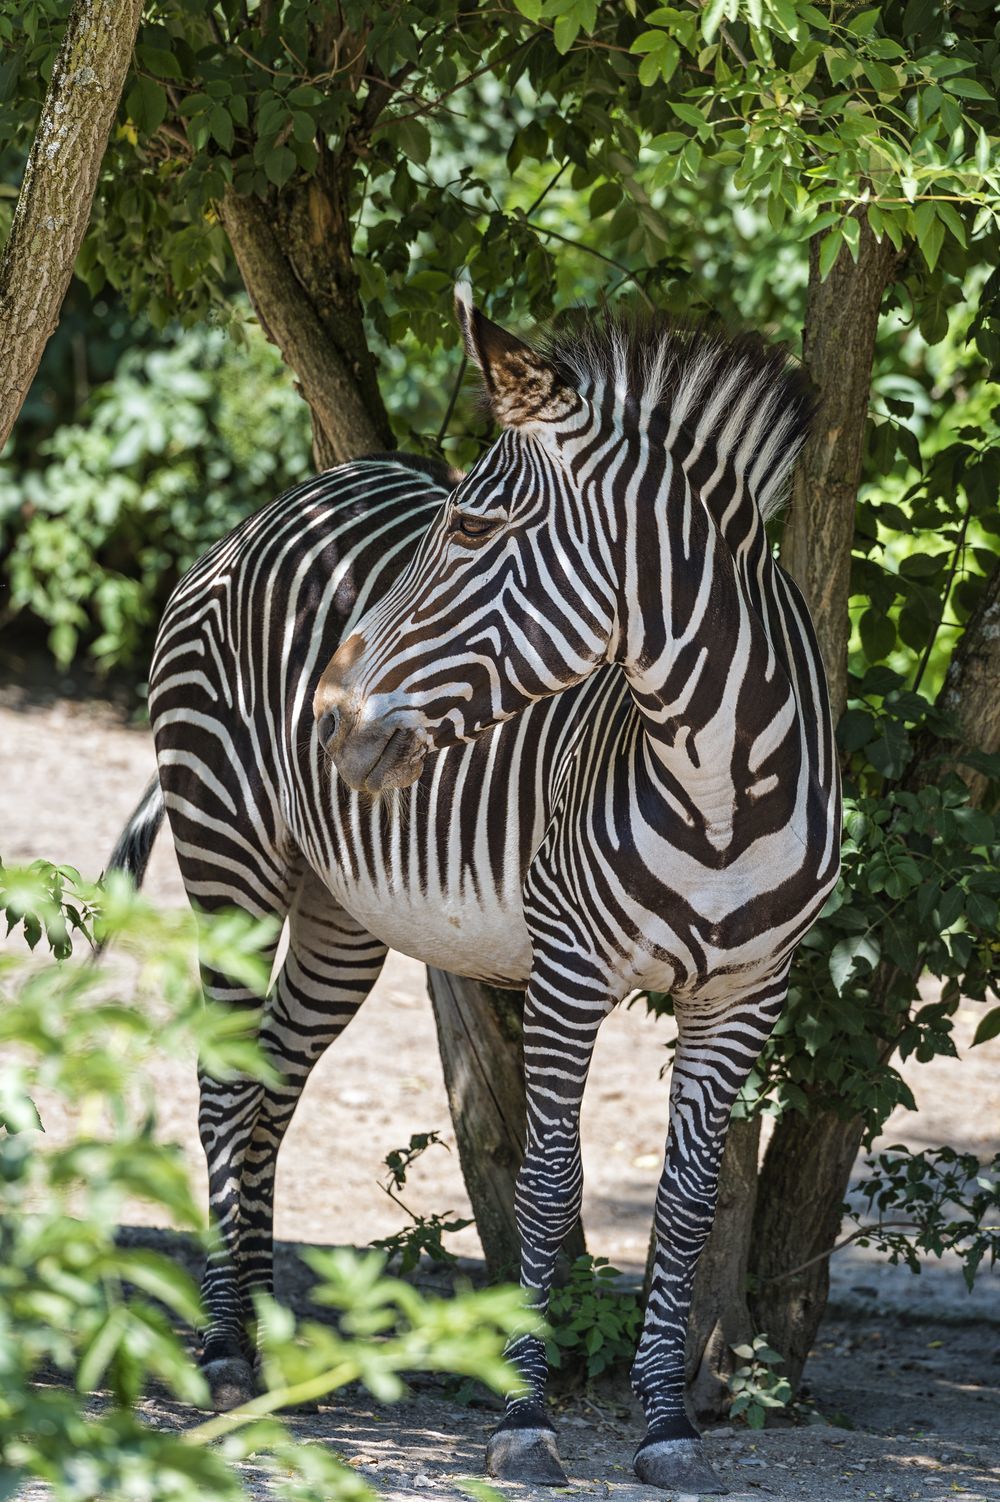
959 550
629 275
452 400
888 1225
545 191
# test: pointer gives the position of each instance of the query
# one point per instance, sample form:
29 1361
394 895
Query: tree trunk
838 345
295 256
970 693
720 1315
480 1031
53 207
802 1187
808 1163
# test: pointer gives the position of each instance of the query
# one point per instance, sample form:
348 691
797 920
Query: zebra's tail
135 843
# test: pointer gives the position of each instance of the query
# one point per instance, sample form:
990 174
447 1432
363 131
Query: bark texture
720 1314
295 257
808 1163
838 345
480 1032
802 1181
54 204
970 693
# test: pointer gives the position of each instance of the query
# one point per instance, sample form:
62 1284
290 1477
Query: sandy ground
914 1364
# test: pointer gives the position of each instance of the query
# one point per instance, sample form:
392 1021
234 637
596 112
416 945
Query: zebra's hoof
525 1455
677 1465
230 1382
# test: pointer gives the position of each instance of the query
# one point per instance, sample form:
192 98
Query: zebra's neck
701 644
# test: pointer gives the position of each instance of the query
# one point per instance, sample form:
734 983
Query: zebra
560 723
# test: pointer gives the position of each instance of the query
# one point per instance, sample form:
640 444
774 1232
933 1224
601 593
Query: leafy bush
185 440
592 1322
80 1313
919 888
946 1201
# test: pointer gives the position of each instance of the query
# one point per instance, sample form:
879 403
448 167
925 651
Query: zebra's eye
473 526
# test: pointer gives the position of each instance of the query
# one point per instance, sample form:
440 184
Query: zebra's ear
521 386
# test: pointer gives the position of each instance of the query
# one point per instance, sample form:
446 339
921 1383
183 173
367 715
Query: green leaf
878 634
829 250
159 60
863 23
989 1027
845 955
565 32
930 234
279 165
605 197
968 88
976 826
690 114
146 104
984 154
855 729
711 18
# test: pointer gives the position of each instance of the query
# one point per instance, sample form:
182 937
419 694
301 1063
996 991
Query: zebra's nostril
327 725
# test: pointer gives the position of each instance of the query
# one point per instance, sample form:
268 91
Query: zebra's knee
549 1195
683 1215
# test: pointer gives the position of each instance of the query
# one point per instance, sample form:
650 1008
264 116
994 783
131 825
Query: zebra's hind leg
560 1030
330 967
716 1049
227 1115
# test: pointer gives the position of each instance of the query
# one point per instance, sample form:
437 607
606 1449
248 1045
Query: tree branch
57 194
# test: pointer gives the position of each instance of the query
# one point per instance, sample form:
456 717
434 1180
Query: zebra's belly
479 936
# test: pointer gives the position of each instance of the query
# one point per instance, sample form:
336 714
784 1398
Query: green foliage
919 888
82 1313
929 1203
423 1234
755 1386
42 899
819 116
593 1324
185 441
565 150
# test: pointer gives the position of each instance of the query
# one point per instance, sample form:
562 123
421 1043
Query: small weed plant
423 1236
930 1203
756 1386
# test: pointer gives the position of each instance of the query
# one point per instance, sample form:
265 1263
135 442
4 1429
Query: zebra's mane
744 394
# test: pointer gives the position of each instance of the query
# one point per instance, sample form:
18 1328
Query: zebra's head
505 602
553 555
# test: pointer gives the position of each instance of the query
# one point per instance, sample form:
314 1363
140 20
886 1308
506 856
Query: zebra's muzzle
375 757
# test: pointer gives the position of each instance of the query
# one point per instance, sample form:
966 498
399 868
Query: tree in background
57 189
829 173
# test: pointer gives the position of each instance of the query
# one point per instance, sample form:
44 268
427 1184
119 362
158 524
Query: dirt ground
912 1364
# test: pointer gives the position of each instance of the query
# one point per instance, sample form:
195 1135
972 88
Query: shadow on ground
904 1410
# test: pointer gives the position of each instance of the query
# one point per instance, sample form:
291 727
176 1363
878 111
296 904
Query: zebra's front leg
559 1037
717 1046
